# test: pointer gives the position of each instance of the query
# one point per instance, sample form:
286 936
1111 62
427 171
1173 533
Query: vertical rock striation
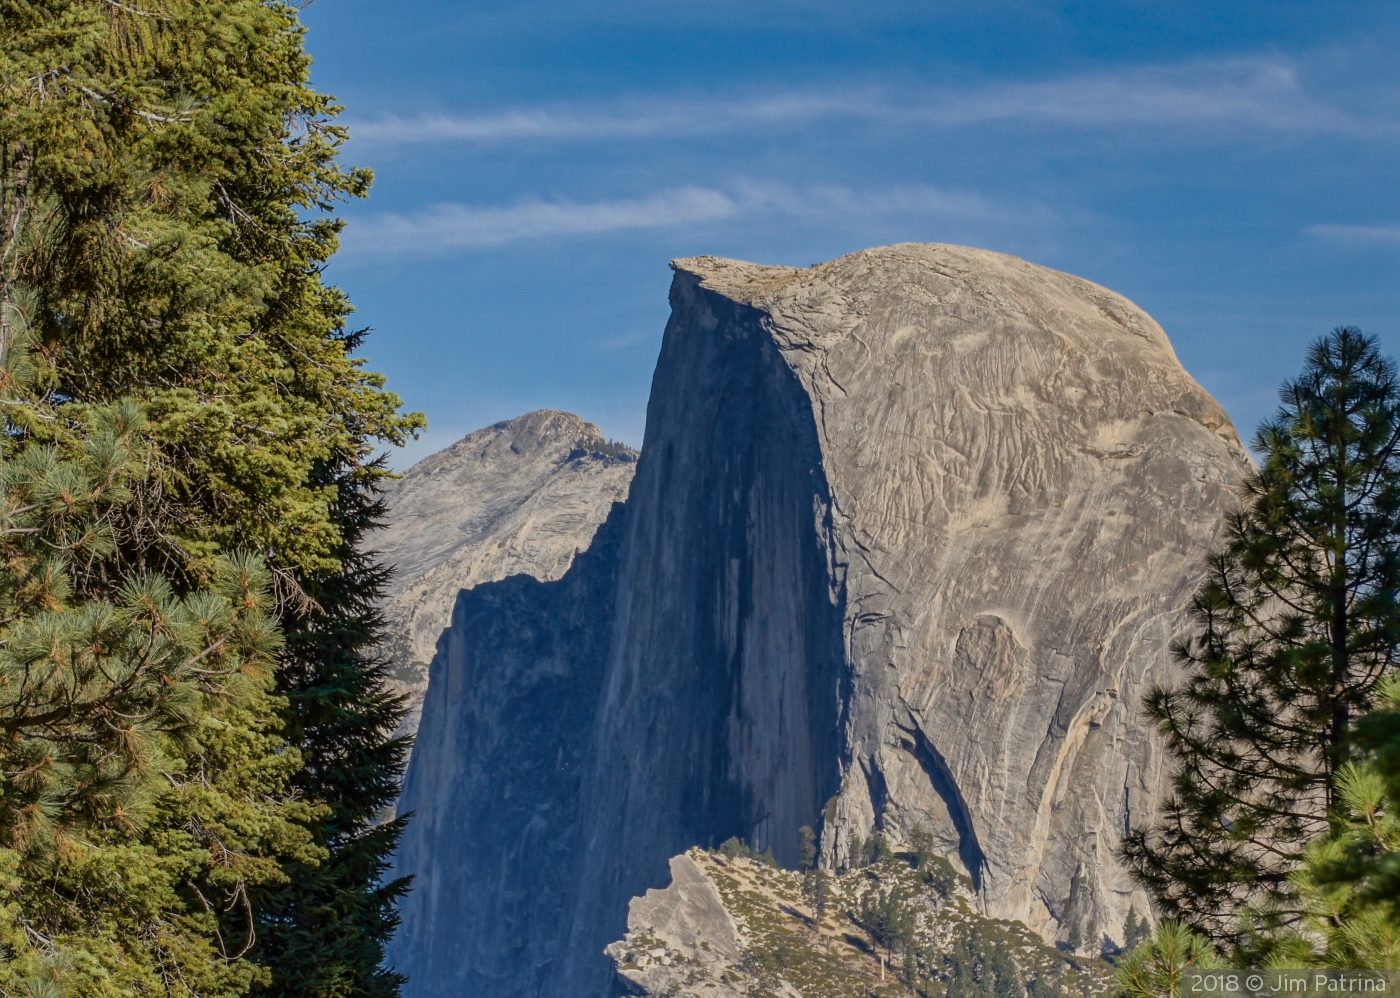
494 783
721 713
910 536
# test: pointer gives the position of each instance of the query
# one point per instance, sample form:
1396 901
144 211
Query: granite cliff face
521 497
908 541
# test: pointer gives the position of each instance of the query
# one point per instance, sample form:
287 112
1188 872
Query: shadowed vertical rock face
494 784
721 710
520 497
909 539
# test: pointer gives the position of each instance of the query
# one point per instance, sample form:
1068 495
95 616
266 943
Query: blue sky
1231 167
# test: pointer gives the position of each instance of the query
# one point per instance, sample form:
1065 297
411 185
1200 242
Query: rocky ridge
519 497
731 925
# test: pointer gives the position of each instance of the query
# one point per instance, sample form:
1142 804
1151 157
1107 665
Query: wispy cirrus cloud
449 226
1210 98
446 227
1357 235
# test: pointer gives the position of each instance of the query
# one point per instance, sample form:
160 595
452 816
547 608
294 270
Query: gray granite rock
680 937
908 541
520 497
494 785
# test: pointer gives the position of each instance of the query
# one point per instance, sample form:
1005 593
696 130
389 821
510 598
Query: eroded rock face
1024 484
521 497
681 936
909 539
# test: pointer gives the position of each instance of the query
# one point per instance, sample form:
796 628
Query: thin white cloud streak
1215 98
829 200
446 227
1357 235
612 344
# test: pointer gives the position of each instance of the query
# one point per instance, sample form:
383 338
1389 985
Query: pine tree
1135 930
144 785
1298 621
1156 967
1349 882
816 889
806 848
323 934
175 380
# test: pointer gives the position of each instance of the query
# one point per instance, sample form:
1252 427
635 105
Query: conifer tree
806 848
1298 621
1349 882
1156 968
175 380
323 933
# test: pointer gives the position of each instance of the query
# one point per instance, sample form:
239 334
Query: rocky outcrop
909 539
520 497
734 926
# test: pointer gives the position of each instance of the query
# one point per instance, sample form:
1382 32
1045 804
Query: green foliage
1155 967
927 941
1350 879
939 874
816 891
869 851
178 388
888 915
977 965
1074 939
613 448
1135 930
100 701
1297 623
161 171
323 932
923 849
766 965
735 847
130 853
806 848
933 867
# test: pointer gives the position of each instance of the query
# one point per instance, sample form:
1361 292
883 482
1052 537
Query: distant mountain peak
521 496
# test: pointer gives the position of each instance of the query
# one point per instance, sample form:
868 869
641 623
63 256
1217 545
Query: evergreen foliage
186 440
1156 967
156 165
1135 930
930 943
323 933
734 848
806 848
816 891
1350 879
888 915
1298 622
869 851
978 966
